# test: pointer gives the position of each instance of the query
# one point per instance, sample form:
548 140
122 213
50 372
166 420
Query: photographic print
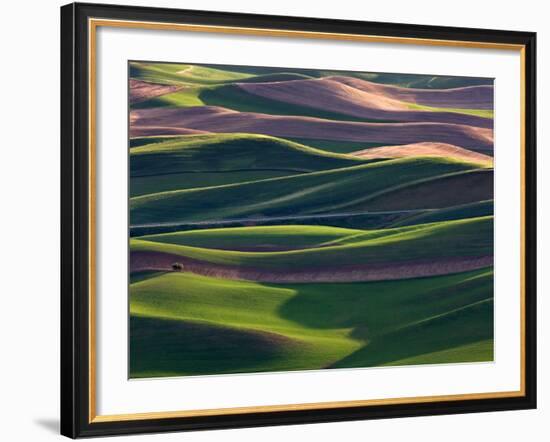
271 220
286 219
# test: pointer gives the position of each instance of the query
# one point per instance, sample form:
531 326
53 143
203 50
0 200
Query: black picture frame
76 418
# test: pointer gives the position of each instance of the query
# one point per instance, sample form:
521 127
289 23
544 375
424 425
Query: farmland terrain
300 219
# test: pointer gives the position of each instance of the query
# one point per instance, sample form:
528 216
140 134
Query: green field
485 113
471 210
278 236
254 253
211 160
182 74
248 326
468 237
315 192
337 146
395 79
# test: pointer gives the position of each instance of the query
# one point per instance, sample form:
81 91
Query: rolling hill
226 152
304 219
316 192
470 210
143 91
469 97
180 74
424 149
299 95
343 99
244 326
174 163
419 81
255 237
413 251
170 121
435 192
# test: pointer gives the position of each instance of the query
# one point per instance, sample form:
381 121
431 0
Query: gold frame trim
93 24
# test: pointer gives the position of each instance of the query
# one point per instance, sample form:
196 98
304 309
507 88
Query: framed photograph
275 220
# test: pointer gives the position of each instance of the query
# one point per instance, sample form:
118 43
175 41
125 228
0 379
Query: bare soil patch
159 121
470 97
344 99
142 261
425 149
142 90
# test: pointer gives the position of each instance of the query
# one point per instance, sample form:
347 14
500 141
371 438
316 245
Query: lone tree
177 267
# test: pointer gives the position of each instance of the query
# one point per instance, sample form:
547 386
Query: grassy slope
405 80
437 192
430 336
168 73
472 210
485 113
186 97
422 81
363 221
343 147
480 351
162 183
282 236
207 325
275 76
222 152
469 237
318 192
211 160
181 74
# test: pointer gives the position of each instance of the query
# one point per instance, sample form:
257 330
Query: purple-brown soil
158 261
344 99
142 90
173 121
469 97
425 149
